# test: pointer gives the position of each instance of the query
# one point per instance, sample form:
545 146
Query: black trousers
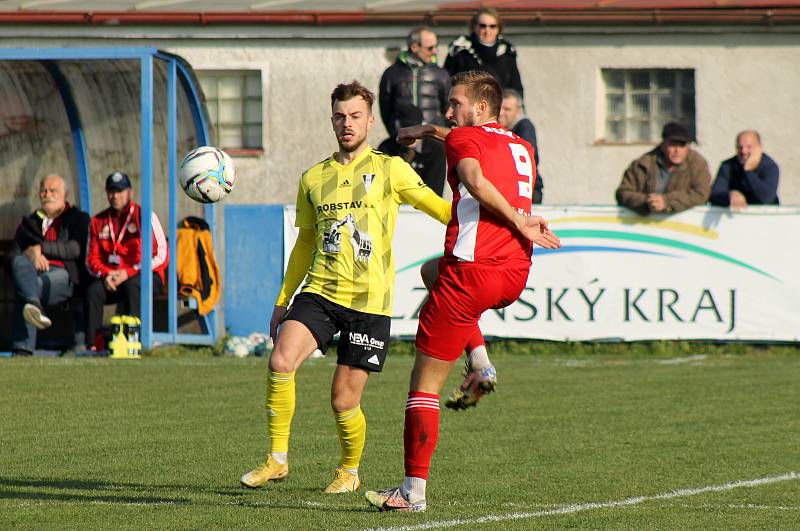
127 297
434 165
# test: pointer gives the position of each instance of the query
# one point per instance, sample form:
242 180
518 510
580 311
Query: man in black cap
114 254
670 178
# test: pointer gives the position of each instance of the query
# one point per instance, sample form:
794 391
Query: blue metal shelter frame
177 70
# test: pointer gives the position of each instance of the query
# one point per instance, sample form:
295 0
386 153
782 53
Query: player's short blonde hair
348 91
481 86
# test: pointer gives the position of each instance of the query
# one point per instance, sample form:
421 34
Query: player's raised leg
480 376
294 345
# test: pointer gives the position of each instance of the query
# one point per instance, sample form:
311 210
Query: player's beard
468 120
353 144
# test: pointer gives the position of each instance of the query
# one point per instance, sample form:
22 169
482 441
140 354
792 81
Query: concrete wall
743 80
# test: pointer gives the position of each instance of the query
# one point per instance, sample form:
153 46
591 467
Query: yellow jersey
352 210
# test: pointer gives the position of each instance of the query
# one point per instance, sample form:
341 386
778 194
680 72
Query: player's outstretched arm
408 135
296 269
412 191
533 228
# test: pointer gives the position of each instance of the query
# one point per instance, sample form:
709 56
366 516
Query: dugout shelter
86 112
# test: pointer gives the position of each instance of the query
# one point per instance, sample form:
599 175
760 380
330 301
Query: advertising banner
707 273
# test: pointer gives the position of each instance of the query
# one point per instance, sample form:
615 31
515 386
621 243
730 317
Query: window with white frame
233 100
638 102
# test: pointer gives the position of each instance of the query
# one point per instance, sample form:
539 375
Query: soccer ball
206 174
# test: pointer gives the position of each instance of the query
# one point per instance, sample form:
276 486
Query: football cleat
269 471
33 316
477 383
343 482
393 500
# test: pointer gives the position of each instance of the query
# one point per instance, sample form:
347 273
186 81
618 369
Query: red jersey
115 242
474 233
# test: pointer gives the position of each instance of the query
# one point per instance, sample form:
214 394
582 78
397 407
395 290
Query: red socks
421 432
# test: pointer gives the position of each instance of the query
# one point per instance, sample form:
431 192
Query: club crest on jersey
368 178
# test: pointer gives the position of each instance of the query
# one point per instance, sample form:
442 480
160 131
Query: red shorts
460 295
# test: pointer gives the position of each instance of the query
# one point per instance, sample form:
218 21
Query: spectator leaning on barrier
512 117
46 261
484 49
670 178
414 81
749 178
115 251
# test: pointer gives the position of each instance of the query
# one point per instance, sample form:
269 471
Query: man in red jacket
114 254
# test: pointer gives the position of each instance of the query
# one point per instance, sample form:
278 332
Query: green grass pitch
570 440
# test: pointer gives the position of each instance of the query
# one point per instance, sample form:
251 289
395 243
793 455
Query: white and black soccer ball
207 174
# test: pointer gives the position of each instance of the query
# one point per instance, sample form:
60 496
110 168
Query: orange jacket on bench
198 274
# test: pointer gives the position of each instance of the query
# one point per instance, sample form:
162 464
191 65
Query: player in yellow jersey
346 211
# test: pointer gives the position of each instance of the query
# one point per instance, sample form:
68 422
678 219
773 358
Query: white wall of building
743 80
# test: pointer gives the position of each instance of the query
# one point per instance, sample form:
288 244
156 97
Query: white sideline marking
575 508
685 359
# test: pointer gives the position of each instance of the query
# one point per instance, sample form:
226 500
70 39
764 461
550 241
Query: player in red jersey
485 265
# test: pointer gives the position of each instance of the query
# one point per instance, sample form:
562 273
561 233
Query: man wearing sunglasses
414 85
484 49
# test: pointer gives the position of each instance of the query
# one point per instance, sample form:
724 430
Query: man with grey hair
512 117
414 84
748 178
46 261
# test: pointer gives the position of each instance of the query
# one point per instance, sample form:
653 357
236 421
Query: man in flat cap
672 177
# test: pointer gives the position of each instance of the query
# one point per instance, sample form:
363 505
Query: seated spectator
46 262
670 178
114 254
512 117
486 50
749 178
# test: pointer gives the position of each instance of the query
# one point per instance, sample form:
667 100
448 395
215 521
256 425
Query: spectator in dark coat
512 117
414 85
46 262
749 178
485 49
408 116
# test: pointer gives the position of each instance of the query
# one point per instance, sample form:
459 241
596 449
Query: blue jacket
759 187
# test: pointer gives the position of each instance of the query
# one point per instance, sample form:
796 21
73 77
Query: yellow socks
351 424
280 409
352 428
